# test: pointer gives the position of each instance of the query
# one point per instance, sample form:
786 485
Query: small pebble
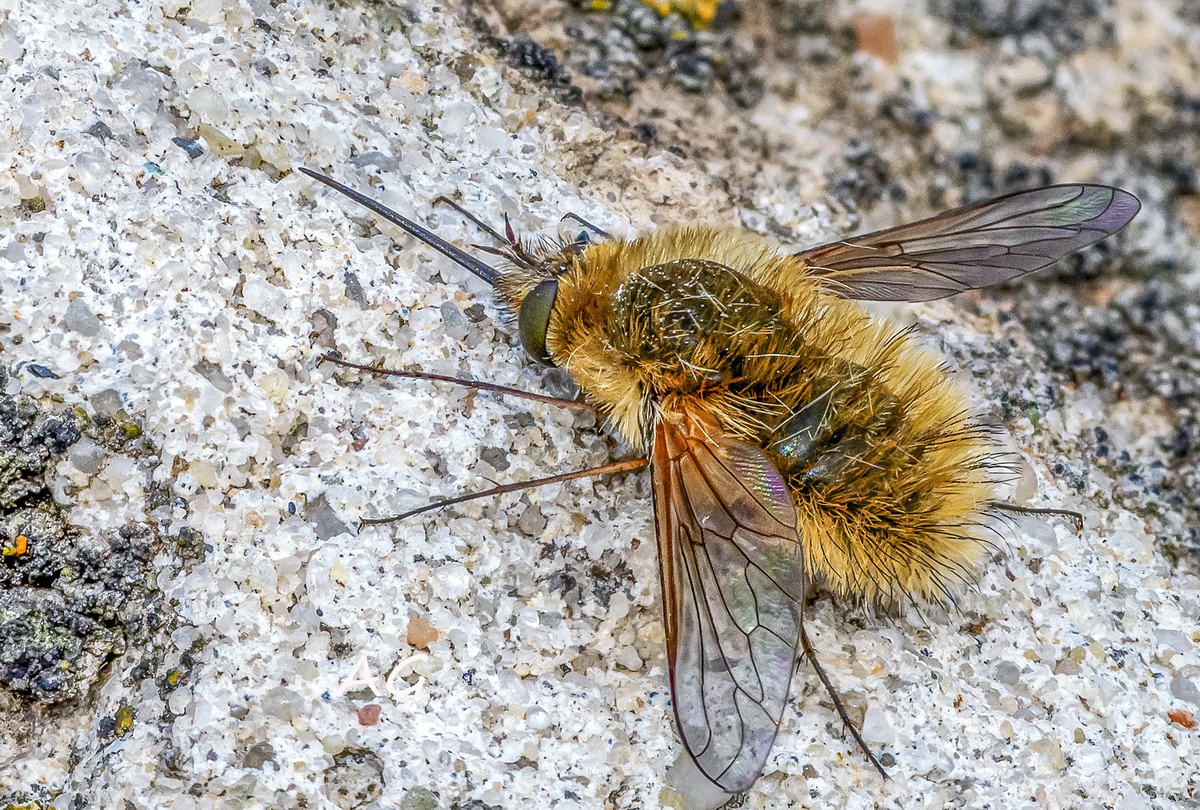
531 522
1185 689
81 319
420 633
1007 673
876 728
369 715
87 456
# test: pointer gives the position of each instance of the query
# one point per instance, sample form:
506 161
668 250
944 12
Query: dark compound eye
534 320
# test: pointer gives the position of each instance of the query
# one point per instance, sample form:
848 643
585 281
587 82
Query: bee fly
791 438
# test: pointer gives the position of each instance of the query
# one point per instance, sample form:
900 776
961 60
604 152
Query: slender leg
513 250
574 405
1074 517
587 225
806 645
605 469
509 233
479 223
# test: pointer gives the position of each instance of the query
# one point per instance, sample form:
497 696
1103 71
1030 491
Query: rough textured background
176 635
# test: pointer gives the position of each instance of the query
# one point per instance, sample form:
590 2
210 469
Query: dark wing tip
1121 210
975 246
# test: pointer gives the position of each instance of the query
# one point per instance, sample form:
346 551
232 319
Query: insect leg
604 469
573 404
1074 517
811 654
587 225
479 223
513 249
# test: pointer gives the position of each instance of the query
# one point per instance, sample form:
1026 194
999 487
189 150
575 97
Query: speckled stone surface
165 272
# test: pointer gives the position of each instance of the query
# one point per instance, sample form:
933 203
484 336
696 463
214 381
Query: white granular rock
162 256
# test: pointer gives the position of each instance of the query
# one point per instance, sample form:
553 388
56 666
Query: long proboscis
484 271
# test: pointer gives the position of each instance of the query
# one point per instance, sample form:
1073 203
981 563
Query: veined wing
974 246
732 577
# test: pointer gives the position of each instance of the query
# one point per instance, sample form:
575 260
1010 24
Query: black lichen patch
29 440
631 42
45 646
1070 26
72 602
1138 346
69 601
866 180
540 62
980 179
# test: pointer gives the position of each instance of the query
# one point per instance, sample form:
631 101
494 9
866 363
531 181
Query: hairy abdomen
888 472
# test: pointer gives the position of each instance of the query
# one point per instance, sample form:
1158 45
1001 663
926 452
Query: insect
792 439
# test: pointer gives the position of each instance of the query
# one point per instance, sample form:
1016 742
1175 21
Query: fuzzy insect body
885 469
790 436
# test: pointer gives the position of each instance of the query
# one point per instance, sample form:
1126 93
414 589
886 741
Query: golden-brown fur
888 473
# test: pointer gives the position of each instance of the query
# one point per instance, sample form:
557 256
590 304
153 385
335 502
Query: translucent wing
974 246
732 578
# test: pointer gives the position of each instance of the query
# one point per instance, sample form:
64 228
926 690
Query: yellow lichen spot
700 13
20 546
124 720
601 5
669 798
173 678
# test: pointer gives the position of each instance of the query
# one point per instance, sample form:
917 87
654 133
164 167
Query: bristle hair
903 516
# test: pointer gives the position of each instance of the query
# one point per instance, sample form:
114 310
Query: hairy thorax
869 432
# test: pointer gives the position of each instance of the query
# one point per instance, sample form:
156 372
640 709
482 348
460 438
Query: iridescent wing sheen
733 579
974 246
